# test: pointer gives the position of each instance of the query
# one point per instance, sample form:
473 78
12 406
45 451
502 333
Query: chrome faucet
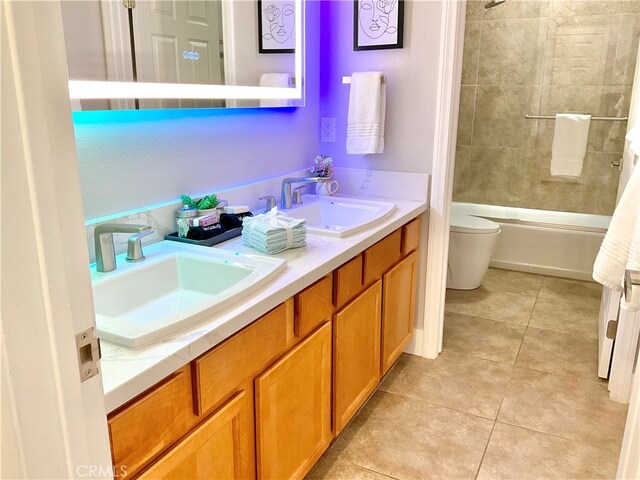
105 250
286 188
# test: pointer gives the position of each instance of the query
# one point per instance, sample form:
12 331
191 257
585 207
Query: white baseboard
543 270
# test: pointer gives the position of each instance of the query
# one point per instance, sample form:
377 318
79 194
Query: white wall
411 87
130 160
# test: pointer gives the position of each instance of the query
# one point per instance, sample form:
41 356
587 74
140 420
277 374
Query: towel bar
347 80
553 117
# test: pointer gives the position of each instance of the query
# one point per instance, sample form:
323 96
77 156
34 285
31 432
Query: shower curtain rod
553 117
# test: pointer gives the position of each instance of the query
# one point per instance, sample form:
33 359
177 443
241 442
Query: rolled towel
569 144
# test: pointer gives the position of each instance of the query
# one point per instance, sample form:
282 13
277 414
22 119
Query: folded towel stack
273 232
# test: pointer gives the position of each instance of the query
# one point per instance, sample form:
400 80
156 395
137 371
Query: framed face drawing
377 24
276 26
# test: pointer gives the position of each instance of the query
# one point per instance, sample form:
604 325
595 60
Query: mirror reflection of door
178 41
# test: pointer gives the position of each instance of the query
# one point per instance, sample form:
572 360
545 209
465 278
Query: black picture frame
387 40
263 23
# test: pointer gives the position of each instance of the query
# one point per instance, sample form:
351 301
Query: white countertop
127 372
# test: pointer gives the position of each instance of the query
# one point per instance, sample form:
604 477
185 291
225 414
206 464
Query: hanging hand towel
569 144
634 140
278 80
367 104
621 245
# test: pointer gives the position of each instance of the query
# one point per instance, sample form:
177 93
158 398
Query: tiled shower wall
543 57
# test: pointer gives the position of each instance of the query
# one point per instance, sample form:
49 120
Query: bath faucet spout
105 249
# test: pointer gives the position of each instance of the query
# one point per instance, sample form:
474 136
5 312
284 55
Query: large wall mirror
128 54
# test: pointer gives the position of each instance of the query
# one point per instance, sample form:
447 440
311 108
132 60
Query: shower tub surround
543 57
128 372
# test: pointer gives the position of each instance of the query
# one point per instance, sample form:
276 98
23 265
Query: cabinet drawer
247 353
314 305
347 281
381 256
411 236
213 450
152 423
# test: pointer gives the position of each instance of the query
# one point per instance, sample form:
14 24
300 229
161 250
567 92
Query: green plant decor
205 203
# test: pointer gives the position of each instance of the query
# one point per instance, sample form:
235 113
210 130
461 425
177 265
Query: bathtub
561 244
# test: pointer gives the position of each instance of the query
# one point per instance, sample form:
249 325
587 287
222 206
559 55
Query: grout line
486 447
554 435
422 400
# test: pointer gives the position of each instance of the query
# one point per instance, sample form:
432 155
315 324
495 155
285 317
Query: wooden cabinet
347 281
151 423
242 357
263 402
313 306
398 308
411 236
380 257
293 409
356 354
213 450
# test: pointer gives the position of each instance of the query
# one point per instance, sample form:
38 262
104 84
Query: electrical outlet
328 129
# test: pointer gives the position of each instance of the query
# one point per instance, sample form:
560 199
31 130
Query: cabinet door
398 307
356 354
213 450
293 409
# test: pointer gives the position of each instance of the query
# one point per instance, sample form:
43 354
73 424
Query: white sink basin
175 286
339 216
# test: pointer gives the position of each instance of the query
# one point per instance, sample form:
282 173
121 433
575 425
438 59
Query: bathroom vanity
268 400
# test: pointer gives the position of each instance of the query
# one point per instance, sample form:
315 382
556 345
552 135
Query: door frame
444 151
46 286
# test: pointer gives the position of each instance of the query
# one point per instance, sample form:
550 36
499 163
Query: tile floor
514 395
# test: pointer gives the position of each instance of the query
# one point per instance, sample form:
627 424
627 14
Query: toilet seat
469 224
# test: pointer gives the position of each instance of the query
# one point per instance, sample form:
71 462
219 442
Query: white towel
367 105
278 80
621 245
569 144
633 136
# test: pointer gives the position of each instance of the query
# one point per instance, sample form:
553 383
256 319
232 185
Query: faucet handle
270 202
296 195
134 246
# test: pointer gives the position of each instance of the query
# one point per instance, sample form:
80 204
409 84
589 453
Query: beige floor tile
559 353
567 317
331 468
573 408
518 453
482 338
500 306
512 282
454 381
571 290
407 438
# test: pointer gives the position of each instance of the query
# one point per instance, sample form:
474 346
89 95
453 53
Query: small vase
327 187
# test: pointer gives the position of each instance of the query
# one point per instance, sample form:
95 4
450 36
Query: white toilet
472 242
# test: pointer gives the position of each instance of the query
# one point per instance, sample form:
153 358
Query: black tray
209 242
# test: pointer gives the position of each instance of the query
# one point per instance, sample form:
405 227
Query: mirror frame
107 90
